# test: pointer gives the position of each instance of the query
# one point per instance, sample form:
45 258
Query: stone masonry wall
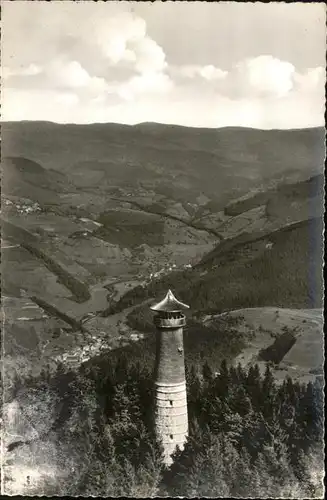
171 419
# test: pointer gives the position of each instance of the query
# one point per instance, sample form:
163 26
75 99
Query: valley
92 229
99 221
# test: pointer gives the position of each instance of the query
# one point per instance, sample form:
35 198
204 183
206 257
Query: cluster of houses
99 344
167 269
23 207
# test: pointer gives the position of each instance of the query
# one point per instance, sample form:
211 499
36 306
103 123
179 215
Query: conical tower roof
169 304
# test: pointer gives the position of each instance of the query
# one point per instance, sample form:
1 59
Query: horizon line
161 124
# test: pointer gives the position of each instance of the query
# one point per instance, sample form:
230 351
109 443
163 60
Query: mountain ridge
159 124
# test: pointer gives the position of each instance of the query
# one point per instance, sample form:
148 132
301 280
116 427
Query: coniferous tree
247 437
207 373
267 393
252 384
242 403
193 385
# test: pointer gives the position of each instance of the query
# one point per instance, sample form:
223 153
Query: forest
248 436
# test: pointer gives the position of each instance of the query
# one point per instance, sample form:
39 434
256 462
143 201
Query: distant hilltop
154 125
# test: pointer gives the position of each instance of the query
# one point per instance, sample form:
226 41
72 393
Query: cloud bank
90 62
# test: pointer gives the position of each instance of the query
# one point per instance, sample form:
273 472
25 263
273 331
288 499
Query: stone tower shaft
171 418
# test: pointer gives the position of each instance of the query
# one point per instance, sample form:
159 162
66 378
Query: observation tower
171 419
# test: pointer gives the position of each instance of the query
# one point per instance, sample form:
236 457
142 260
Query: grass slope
290 339
28 179
281 194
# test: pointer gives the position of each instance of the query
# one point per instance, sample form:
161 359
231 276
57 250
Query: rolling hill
25 178
217 162
229 218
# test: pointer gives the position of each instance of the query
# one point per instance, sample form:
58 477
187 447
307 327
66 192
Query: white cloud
261 76
208 72
29 70
114 34
269 74
119 42
211 73
123 40
32 69
107 65
71 74
116 50
67 74
149 82
186 107
59 74
149 56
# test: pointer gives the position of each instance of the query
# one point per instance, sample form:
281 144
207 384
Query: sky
197 64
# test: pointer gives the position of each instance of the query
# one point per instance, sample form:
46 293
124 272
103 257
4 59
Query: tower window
171 403
171 436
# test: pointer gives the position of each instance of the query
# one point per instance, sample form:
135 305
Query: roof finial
169 304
